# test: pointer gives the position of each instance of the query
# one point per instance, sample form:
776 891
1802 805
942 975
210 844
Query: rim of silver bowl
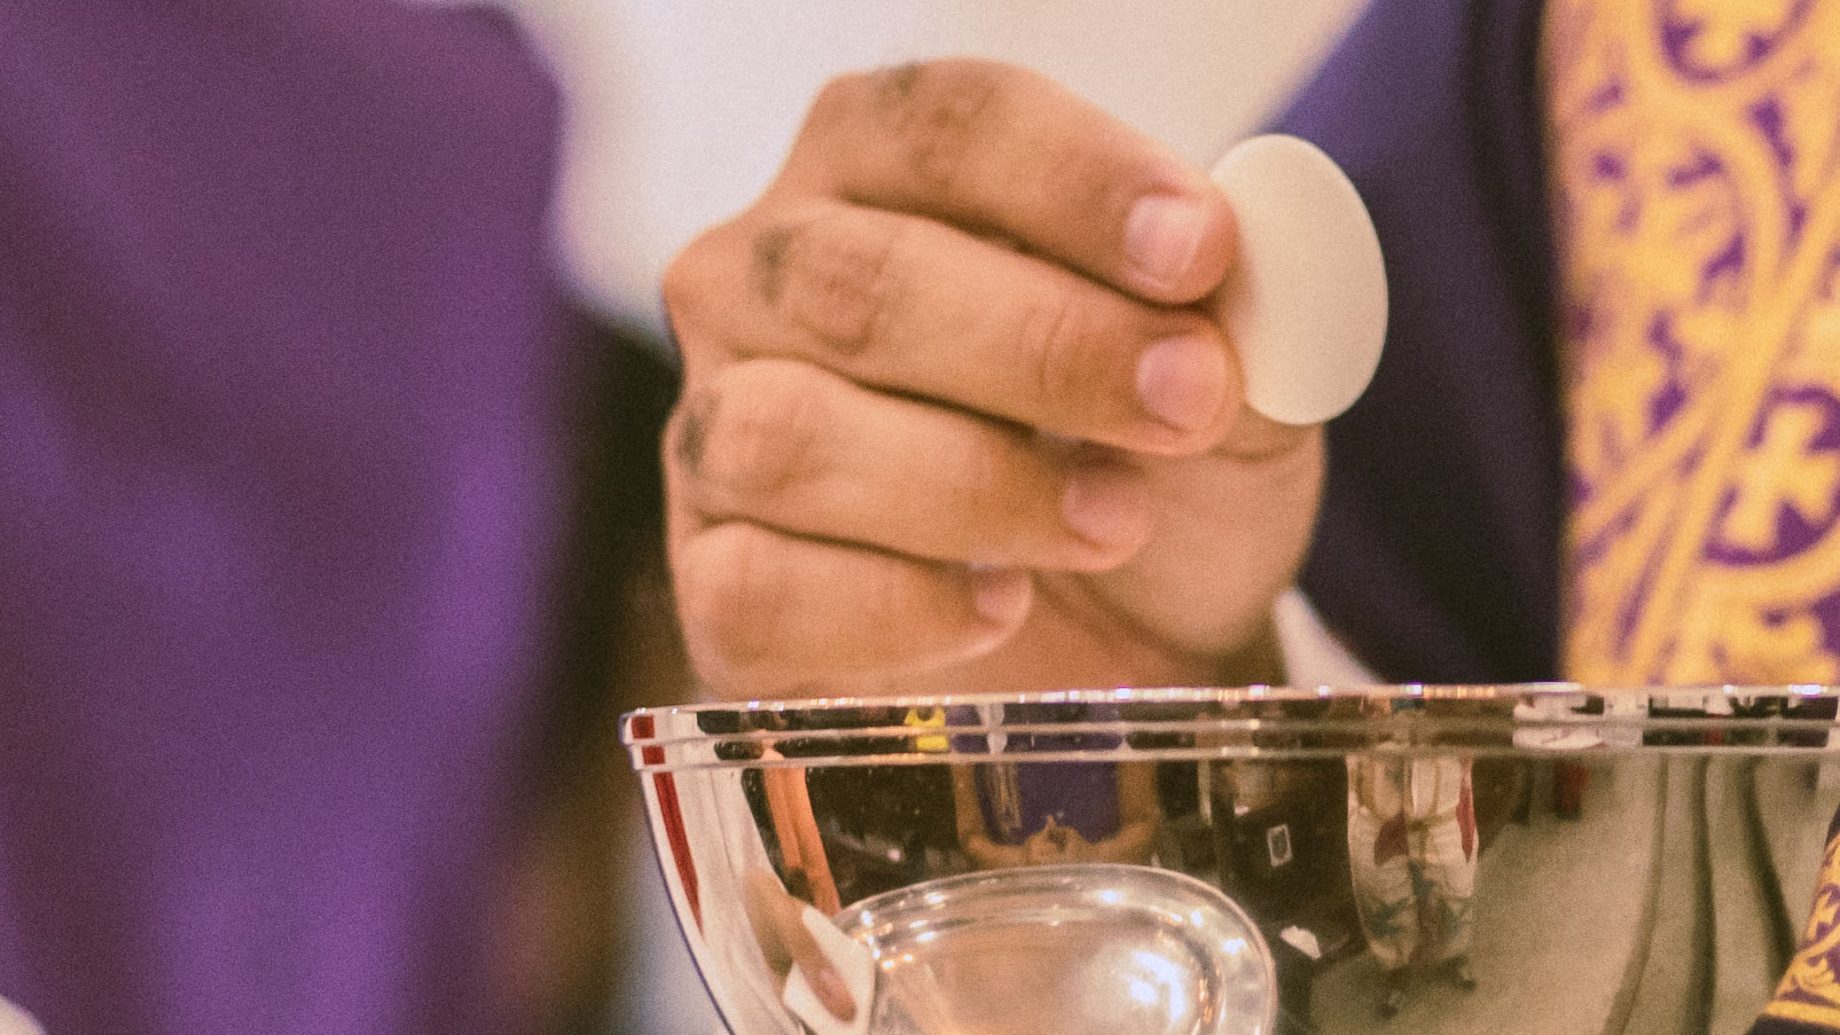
1200 723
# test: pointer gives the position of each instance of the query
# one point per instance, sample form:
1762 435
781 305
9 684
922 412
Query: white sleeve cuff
1312 654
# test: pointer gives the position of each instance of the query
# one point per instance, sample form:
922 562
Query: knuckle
767 260
983 494
1053 340
943 113
687 432
1092 170
891 606
835 275
760 434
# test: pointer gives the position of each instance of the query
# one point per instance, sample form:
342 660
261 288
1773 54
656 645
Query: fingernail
835 995
1182 382
1106 505
1162 234
999 594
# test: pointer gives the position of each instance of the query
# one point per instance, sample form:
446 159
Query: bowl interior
1509 860
1084 950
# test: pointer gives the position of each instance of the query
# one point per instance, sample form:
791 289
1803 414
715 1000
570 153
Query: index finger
1001 149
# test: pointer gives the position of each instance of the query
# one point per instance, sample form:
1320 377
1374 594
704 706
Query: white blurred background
681 111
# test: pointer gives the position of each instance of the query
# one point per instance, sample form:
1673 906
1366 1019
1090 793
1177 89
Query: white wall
683 109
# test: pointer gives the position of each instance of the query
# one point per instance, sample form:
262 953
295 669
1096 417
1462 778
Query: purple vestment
282 487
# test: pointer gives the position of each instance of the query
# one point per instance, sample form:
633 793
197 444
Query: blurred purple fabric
282 485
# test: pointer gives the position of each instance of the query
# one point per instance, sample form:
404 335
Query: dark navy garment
1437 554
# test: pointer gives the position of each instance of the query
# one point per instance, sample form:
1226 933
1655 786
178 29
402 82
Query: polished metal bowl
1474 859
1091 947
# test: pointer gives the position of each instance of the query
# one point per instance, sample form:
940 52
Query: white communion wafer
14 1021
1306 303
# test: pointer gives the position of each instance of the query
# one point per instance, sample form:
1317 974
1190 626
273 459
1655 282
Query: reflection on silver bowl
1091 949
1511 860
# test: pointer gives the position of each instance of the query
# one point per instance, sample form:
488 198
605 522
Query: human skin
1131 843
957 413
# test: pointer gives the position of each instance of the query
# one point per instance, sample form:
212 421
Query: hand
1039 850
1054 843
953 417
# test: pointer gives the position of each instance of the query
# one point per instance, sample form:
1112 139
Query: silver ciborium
1427 859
